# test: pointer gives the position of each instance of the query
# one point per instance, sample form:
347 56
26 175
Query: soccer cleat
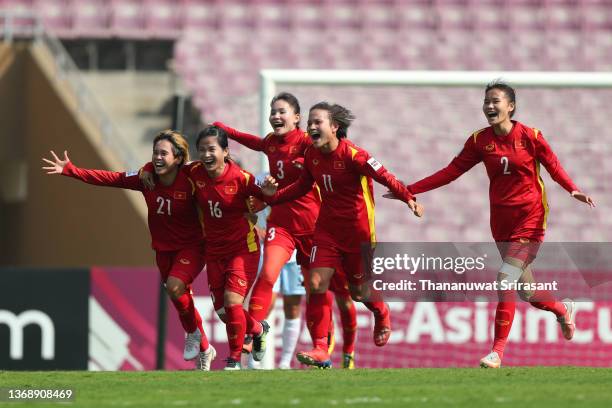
259 342
316 358
491 360
567 321
232 365
205 358
382 328
247 346
192 345
348 360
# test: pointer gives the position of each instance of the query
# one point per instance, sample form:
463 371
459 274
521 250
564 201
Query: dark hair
180 146
505 88
214 131
338 115
289 98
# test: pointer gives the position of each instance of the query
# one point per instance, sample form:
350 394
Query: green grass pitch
450 387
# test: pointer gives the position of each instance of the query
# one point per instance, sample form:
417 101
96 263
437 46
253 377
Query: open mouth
314 136
159 165
491 115
209 161
277 125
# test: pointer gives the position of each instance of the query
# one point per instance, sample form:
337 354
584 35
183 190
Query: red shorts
185 264
339 284
513 223
521 249
327 254
279 236
231 274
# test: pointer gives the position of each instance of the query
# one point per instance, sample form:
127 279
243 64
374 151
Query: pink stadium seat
90 18
162 19
127 18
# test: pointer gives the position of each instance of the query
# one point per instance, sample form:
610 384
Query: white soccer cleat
205 358
491 360
192 345
567 321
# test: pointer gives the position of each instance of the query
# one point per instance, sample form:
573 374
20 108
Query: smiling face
212 155
497 107
283 118
164 160
321 130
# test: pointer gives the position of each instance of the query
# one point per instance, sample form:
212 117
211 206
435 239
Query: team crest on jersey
339 165
180 195
200 184
292 149
490 147
519 144
231 189
315 161
272 149
374 163
242 282
184 261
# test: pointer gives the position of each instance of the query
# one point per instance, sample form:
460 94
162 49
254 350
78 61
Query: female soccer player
344 174
232 245
290 225
175 229
512 153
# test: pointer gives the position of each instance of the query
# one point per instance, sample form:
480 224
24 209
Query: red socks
317 319
544 300
189 316
348 318
504 316
236 329
275 258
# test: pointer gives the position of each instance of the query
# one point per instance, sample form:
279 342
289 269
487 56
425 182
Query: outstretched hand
57 166
269 186
584 198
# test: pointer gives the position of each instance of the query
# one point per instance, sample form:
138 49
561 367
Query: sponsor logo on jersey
339 165
242 282
200 184
184 261
374 163
231 189
315 161
293 149
180 195
490 147
255 307
358 275
131 173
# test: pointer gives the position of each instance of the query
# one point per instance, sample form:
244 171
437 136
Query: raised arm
251 141
549 160
370 167
295 190
464 161
96 177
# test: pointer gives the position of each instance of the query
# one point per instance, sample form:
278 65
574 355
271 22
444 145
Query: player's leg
348 317
292 290
277 250
358 277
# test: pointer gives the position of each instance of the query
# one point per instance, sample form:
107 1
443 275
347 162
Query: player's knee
221 313
175 290
509 272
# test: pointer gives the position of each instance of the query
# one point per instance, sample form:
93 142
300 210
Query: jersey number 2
504 161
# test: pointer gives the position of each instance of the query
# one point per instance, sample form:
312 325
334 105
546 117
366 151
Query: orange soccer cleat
382 328
317 357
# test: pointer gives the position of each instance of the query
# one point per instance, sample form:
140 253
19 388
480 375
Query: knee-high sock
317 318
378 308
236 328
543 299
291 333
189 317
348 318
274 259
504 316
252 325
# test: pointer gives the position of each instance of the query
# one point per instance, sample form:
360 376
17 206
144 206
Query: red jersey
344 178
223 201
512 163
172 211
297 216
